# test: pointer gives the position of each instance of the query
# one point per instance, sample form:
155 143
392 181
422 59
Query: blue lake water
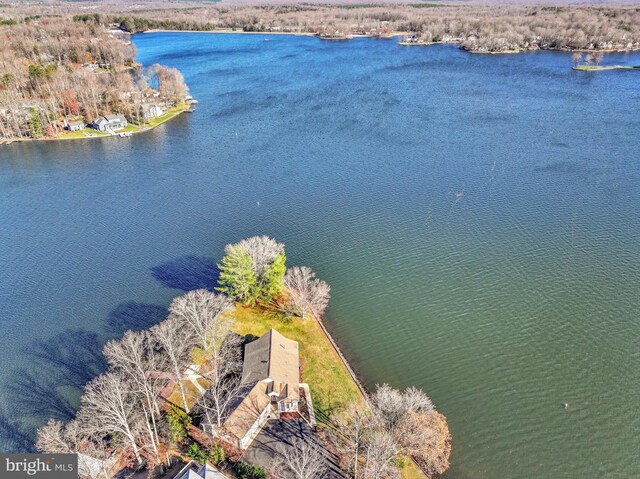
477 218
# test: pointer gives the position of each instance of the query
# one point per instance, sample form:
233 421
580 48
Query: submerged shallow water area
476 216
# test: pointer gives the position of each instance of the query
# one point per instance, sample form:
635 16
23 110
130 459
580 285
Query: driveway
276 436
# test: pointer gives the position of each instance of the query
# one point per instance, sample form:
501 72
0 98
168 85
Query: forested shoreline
143 412
55 71
475 27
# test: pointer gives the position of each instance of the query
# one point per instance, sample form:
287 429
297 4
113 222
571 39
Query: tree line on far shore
477 28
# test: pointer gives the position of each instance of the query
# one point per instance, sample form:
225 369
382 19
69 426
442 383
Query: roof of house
243 417
271 356
210 472
75 122
100 120
193 470
114 117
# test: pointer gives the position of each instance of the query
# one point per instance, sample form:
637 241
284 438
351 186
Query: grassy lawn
167 116
411 471
129 127
597 68
330 383
82 133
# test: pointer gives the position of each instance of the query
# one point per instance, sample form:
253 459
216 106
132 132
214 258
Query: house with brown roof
271 377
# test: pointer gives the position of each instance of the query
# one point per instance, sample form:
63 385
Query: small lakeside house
109 123
271 387
74 125
151 110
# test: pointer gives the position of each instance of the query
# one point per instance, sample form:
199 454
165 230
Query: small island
590 62
243 380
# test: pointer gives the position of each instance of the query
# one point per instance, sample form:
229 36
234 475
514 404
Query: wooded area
54 70
477 28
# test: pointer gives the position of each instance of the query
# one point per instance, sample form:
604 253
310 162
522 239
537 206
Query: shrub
216 454
179 422
196 453
248 471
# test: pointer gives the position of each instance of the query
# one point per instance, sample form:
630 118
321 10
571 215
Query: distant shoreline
135 130
394 35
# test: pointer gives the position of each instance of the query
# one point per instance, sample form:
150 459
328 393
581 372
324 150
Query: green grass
129 128
331 385
411 471
88 132
167 116
598 68
82 133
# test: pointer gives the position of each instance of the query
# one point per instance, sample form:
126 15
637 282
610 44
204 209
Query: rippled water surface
477 217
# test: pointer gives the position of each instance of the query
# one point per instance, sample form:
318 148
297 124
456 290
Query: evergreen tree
237 278
271 282
36 123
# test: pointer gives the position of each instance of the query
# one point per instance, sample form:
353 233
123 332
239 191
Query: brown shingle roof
271 356
243 417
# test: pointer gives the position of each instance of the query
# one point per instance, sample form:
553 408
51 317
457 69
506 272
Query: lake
477 217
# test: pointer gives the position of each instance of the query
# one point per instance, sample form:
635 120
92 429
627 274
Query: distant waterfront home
271 387
151 110
109 123
193 470
74 125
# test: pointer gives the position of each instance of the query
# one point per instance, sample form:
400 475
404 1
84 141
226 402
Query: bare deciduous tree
223 379
262 249
109 407
57 437
308 295
303 460
176 345
350 427
202 312
136 357
380 451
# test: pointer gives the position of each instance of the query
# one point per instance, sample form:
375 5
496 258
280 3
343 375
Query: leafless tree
304 460
176 345
411 419
576 58
223 380
58 437
349 430
597 57
202 312
110 408
262 249
135 356
380 451
308 295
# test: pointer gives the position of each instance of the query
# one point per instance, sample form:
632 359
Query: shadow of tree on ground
188 273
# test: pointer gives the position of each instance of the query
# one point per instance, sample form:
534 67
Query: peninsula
246 382
64 79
